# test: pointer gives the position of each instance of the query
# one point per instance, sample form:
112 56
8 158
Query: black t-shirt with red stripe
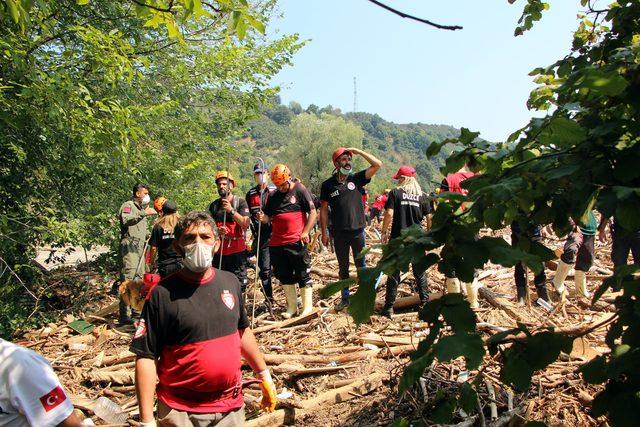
345 201
193 330
288 212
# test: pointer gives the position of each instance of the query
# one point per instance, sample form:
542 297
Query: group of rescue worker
194 331
194 328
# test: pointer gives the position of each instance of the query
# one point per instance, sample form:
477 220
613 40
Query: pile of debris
328 371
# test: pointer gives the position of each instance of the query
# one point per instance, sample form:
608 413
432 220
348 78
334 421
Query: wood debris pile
328 371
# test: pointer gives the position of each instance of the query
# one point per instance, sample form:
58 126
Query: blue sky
409 72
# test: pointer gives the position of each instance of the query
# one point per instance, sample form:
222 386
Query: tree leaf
468 345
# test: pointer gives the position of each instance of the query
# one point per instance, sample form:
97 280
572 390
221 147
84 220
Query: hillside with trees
305 138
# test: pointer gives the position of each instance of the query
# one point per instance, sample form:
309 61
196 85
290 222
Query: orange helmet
158 203
225 174
339 152
280 174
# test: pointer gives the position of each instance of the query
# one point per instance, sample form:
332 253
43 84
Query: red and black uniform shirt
407 209
193 331
256 199
345 201
234 239
288 213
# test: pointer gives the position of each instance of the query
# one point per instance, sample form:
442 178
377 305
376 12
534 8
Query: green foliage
394 144
94 98
582 155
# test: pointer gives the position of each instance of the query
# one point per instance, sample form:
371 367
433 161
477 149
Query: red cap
339 152
405 171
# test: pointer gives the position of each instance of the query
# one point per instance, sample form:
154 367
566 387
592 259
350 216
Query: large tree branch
150 6
415 18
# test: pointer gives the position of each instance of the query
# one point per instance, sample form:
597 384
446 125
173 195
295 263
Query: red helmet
339 152
280 174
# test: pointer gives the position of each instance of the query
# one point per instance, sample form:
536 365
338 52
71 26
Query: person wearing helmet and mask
256 198
342 194
231 214
133 236
292 215
161 241
192 337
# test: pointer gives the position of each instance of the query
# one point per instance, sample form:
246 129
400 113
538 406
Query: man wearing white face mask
193 332
134 231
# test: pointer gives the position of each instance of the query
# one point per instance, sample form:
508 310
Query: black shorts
291 264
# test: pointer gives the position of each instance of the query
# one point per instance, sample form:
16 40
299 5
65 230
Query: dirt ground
338 374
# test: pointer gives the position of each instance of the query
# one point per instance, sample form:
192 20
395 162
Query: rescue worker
533 232
192 337
166 258
256 198
452 183
30 392
342 195
231 214
406 205
134 231
377 207
623 242
292 215
579 250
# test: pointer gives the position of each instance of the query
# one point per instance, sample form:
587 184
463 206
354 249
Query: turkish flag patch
228 299
126 210
52 399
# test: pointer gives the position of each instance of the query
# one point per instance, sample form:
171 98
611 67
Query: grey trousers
168 417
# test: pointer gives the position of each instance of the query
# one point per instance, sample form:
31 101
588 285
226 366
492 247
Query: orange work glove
268 388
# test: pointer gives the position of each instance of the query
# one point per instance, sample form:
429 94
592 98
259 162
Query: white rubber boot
558 279
581 284
292 303
452 285
472 293
307 299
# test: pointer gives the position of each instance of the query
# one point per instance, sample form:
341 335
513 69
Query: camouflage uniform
133 235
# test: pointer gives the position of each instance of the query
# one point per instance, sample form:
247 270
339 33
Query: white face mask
146 199
198 257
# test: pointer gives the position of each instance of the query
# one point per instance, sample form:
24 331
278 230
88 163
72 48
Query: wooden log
408 302
286 416
500 303
325 273
342 394
287 323
124 377
277 359
111 308
122 357
378 340
298 371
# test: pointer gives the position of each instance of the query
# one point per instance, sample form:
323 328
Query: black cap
169 207
260 168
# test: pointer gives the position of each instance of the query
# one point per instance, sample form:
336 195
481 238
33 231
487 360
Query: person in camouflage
134 232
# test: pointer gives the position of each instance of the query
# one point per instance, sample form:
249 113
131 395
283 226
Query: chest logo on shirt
292 200
52 399
141 330
351 186
228 299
